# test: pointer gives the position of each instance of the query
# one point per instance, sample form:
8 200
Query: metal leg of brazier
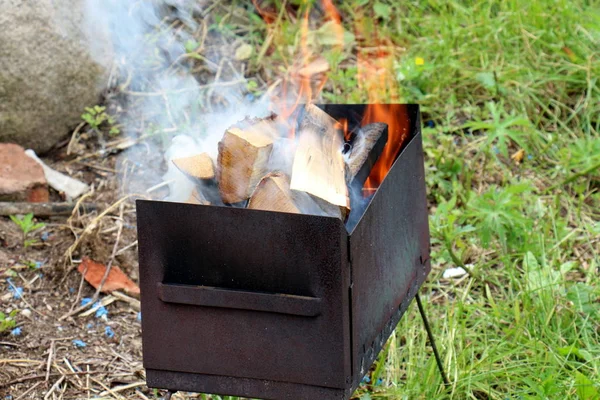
438 360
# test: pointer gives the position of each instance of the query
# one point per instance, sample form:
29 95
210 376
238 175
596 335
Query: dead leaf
518 156
116 277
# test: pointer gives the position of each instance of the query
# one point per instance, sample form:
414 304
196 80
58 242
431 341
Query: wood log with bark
366 147
242 162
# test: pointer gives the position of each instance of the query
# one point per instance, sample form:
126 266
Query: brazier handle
209 296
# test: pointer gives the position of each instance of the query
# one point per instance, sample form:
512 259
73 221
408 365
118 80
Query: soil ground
84 355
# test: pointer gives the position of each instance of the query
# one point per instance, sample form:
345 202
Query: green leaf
581 354
382 10
583 298
251 85
37 226
537 276
27 218
190 46
487 79
333 34
29 242
585 387
15 219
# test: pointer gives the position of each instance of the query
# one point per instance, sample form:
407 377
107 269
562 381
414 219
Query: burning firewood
242 162
318 167
199 166
367 146
273 194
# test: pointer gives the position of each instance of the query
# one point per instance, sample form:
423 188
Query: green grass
497 77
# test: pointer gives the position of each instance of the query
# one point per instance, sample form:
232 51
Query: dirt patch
85 355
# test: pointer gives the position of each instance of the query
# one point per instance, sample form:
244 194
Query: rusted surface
248 388
207 296
280 306
388 248
254 255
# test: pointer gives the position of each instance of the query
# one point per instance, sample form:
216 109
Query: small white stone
26 313
454 273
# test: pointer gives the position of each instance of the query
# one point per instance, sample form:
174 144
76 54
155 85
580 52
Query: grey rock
47 75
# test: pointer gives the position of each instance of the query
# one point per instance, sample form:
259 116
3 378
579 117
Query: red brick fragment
21 178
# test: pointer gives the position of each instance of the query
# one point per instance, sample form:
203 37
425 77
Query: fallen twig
43 209
19 360
135 303
31 389
109 390
124 387
108 267
103 303
43 376
92 225
74 138
53 388
49 363
124 249
66 361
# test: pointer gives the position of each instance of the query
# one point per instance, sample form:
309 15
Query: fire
374 56
394 115
342 125
306 77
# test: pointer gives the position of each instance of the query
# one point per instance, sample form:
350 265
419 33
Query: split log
273 194
268 126
196 197
199 166
367 146
242 162
319 167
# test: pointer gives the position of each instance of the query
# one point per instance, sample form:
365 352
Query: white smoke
154 56
152 69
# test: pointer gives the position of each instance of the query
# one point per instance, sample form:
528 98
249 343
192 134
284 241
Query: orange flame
308 75
375 58
394 115
342 125
375 62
